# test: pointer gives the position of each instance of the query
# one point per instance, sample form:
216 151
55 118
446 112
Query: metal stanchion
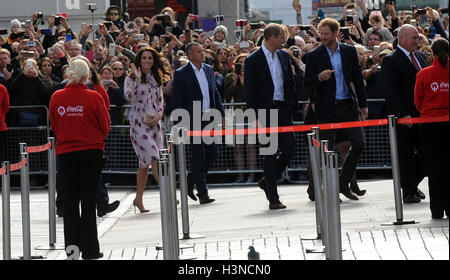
25 197
51 198
6 212
166 225
392 122
334 215
181 155
317 188
25 192
323 159
173 192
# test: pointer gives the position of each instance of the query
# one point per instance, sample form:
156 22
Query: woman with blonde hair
143 88
80 121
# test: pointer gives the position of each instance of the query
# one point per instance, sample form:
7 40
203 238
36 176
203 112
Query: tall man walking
269 84
195 82
330 69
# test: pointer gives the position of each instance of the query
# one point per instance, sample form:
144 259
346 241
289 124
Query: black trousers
436 151
275 164
346 113
411 159
80 176
202 158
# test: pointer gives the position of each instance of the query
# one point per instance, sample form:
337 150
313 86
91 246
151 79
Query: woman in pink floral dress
143 88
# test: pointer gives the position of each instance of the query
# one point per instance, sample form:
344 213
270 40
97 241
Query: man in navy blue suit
269 84
331 69
195 82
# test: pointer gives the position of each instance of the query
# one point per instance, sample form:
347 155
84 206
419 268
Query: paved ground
240 217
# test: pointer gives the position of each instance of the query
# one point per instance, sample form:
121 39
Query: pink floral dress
145 98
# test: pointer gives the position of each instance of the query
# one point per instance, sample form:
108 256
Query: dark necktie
414 61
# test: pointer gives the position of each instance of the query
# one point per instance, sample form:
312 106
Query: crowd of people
136 63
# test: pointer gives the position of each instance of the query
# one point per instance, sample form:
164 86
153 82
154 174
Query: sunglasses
116 69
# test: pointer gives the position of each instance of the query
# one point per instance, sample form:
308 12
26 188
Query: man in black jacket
269 84
398 73
330 69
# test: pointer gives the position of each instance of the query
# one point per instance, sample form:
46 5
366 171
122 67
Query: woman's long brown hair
158 70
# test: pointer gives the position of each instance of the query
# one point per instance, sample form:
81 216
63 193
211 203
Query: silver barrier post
181 152
51 198
392 122
334 214
166 226
323 159
6 212
25 192
173 194
317 189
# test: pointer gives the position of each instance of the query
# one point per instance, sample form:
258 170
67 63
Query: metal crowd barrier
23 166
123 160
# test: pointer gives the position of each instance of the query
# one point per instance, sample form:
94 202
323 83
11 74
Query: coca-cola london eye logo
71 111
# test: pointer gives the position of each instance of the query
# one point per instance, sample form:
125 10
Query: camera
199 31
444 10
194 17
244 45
304 27
296 53
108 24
164 19
219 19
376 49
413 22
320 14
57 20
421 11
40 16
31 44
91 6
369 61
346 32
139 37
255 25
3 31
221 46
167 39
112 49
238 68
238 34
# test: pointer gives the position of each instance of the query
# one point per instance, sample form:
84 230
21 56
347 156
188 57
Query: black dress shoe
262 186
94 257
310 192
60 213
190 188
410 198
355 188
347 192
276 205
102 210
420 194
206 200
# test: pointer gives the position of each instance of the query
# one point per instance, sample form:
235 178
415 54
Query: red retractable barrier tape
19 165
38 149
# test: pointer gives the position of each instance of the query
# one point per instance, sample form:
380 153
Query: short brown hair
273 29
331 23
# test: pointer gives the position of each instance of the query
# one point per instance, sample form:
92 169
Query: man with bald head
398 73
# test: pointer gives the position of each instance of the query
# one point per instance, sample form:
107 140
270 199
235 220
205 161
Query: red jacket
79 118
4 107
431 91
103 93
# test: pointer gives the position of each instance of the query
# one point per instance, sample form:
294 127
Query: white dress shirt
204 86
408 55
276 72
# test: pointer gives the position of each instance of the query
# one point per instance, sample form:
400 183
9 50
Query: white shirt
409 57
204 86
276 72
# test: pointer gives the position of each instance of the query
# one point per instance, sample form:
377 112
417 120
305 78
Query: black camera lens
57 20
296 54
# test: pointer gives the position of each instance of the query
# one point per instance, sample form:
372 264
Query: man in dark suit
269 84
398 73
332 68
195 82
